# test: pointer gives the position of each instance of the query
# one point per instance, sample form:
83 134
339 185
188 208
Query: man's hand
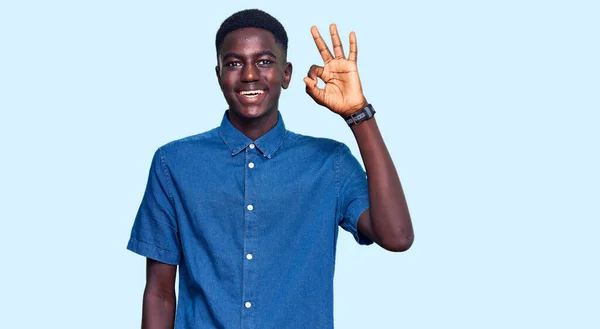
342 93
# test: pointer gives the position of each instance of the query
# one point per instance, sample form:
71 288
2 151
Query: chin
254 112
251 112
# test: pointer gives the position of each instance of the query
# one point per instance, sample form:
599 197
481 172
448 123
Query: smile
251 93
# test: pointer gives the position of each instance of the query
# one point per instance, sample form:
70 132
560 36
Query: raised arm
158 310
387 222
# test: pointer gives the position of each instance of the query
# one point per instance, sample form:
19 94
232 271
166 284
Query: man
250 211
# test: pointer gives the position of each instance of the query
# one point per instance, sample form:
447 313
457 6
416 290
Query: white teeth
251 92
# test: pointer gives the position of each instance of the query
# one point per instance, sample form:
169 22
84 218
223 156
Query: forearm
389 215
158 310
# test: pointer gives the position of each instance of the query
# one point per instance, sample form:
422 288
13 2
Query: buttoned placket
251 155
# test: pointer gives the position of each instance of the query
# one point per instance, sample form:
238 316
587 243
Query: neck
256 127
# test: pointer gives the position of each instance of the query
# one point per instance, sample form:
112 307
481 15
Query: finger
315 72
321 45
312 79
338 50
353 47
316 93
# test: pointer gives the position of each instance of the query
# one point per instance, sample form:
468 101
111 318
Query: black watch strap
363 115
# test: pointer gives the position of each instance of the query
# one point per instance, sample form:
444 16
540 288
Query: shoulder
193 142
324 148
322 144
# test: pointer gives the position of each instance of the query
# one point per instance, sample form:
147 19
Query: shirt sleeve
155 231
353 193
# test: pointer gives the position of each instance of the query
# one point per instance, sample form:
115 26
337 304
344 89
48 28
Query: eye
233 64
265 62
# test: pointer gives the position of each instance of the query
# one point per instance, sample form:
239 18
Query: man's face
251 70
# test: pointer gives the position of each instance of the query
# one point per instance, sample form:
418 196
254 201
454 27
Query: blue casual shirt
253 225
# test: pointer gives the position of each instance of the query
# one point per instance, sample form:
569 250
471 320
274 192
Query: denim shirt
253 225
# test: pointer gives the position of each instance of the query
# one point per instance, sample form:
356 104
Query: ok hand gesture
342 92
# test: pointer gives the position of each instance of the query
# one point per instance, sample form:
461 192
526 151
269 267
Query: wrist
356 118
353 109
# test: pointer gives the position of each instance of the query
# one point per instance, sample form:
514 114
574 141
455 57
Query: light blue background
489 109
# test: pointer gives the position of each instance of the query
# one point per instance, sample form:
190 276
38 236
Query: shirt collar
268 143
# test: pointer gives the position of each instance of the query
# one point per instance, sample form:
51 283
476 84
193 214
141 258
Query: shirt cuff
153 252
355 209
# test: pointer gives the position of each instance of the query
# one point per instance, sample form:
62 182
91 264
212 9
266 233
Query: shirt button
249 256
250 207
251 165
248 305
251 146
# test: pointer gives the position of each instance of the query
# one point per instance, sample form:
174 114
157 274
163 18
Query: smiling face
251 70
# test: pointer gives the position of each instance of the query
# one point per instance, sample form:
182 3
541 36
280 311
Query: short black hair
252 18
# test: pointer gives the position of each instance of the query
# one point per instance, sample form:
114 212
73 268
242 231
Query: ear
218 72
287 75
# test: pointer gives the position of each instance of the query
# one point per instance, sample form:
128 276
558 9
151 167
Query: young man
250 211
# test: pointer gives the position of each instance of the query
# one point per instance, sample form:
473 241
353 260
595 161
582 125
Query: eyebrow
259 53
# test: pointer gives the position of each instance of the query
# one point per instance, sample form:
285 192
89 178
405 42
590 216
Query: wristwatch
361 116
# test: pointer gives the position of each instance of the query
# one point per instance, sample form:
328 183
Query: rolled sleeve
155 231
353 193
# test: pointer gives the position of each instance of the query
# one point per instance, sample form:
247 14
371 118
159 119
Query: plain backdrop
490 110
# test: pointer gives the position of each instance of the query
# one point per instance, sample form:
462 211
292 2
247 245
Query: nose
249 73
